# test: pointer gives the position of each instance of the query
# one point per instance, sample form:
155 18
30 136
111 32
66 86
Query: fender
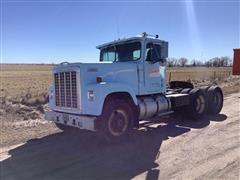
100 92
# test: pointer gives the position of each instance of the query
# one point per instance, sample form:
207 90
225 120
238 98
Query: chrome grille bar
62 89
56 81
74 89
66 89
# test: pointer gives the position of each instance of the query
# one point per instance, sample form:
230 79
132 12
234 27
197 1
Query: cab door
155 69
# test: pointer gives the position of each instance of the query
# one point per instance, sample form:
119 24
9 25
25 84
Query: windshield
122 52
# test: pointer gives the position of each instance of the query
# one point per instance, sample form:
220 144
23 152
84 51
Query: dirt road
170 148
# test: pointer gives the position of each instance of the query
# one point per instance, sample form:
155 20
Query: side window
157 50
148 54
153 52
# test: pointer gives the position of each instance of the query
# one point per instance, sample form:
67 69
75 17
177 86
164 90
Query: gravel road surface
170 148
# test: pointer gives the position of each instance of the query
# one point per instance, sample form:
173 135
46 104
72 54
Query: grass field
198 73
17 81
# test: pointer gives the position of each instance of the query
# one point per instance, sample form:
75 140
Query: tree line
213 62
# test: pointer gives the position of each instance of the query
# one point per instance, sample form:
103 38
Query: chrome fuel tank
152 105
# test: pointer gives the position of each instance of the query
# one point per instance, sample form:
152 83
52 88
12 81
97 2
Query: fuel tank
150 106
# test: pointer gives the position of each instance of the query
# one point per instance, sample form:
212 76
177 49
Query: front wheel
116 120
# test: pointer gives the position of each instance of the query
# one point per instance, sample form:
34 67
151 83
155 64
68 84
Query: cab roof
127 40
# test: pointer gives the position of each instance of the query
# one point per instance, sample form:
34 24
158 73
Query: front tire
116 120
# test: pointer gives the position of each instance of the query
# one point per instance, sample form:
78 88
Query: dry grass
198 73
23 91
25 83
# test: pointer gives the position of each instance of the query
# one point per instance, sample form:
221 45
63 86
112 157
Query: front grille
66 89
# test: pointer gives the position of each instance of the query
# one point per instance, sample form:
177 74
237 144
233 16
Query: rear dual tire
214 96
215 100
205 100
198 104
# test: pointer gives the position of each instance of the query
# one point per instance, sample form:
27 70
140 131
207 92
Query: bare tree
172 62
193 62
182 61
214 62
219 62
230 63
199 63
196 62
225 61
208 63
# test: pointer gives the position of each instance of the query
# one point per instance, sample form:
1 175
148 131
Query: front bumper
79 121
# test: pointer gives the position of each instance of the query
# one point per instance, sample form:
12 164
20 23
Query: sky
54 31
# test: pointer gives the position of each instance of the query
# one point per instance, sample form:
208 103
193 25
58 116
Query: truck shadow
81 155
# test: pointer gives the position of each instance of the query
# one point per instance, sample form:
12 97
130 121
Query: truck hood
124 72
109 72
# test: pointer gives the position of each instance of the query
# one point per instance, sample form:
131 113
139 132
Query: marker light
51 94
98 79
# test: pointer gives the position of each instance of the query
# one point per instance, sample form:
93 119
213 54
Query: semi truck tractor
126 86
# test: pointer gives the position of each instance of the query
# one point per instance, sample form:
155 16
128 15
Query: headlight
51 94
90 95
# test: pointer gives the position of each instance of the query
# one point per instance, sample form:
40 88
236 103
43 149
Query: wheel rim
118 122
217 99
200 104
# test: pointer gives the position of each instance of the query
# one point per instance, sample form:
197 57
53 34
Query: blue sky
56 31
